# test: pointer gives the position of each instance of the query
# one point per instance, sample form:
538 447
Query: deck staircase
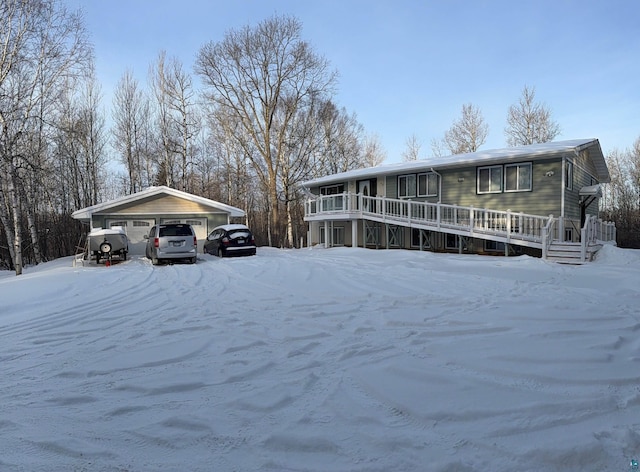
568 253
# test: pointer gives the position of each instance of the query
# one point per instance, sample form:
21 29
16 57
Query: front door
364 187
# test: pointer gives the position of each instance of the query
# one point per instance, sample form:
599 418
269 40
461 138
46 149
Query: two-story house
540 199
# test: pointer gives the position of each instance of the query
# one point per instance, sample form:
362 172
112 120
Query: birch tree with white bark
42 44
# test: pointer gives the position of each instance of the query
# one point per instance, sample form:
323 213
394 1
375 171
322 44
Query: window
332 189
338 236
493 246
428 184
517 177
406 186
336 201
415 238
490 179
568 175
451 241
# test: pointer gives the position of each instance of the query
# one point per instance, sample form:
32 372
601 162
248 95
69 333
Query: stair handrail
547 237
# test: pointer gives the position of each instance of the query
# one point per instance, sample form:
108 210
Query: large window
428 184
517 177
490 179
338 236
332 189
406 186
336 201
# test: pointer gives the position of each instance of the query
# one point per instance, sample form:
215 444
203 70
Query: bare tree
78 145
621 200
373 153
41 46
265 76
131 119
438 148
412 151
529 122
466 134
176 118
340 146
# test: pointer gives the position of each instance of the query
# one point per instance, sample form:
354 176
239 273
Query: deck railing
507 225
516 225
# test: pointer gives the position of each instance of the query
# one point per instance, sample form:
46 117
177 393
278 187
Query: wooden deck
542 232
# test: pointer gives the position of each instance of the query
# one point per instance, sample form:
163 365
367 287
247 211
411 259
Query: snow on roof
85 213
519 152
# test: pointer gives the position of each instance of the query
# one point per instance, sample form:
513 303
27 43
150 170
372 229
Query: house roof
530 152
85 213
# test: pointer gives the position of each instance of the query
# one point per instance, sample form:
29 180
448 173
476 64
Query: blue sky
406 67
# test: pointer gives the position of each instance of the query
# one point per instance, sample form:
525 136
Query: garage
136 230
199 225
138 212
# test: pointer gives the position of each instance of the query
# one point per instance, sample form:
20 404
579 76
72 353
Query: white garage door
136 230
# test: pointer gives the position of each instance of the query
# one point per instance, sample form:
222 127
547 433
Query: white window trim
338 235
501 167
429 193
327 189
568 177
518 165
415 182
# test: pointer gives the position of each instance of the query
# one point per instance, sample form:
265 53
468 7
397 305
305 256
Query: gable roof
530 152
85 213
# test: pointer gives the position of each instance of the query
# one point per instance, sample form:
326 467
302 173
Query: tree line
261 120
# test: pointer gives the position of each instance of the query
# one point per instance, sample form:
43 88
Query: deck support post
354 233
326 233
386 234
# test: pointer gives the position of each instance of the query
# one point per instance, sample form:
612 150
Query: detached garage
138 212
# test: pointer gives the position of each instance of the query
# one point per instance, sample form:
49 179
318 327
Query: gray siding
584 174
459 187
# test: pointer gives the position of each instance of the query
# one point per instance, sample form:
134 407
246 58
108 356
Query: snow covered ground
322 360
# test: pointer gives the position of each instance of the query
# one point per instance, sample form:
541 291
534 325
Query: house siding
584 174
160 204
459 187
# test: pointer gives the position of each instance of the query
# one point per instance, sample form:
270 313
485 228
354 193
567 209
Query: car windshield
175 231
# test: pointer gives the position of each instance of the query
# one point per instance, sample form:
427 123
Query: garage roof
85 213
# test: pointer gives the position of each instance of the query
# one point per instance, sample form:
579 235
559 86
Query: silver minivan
171 241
